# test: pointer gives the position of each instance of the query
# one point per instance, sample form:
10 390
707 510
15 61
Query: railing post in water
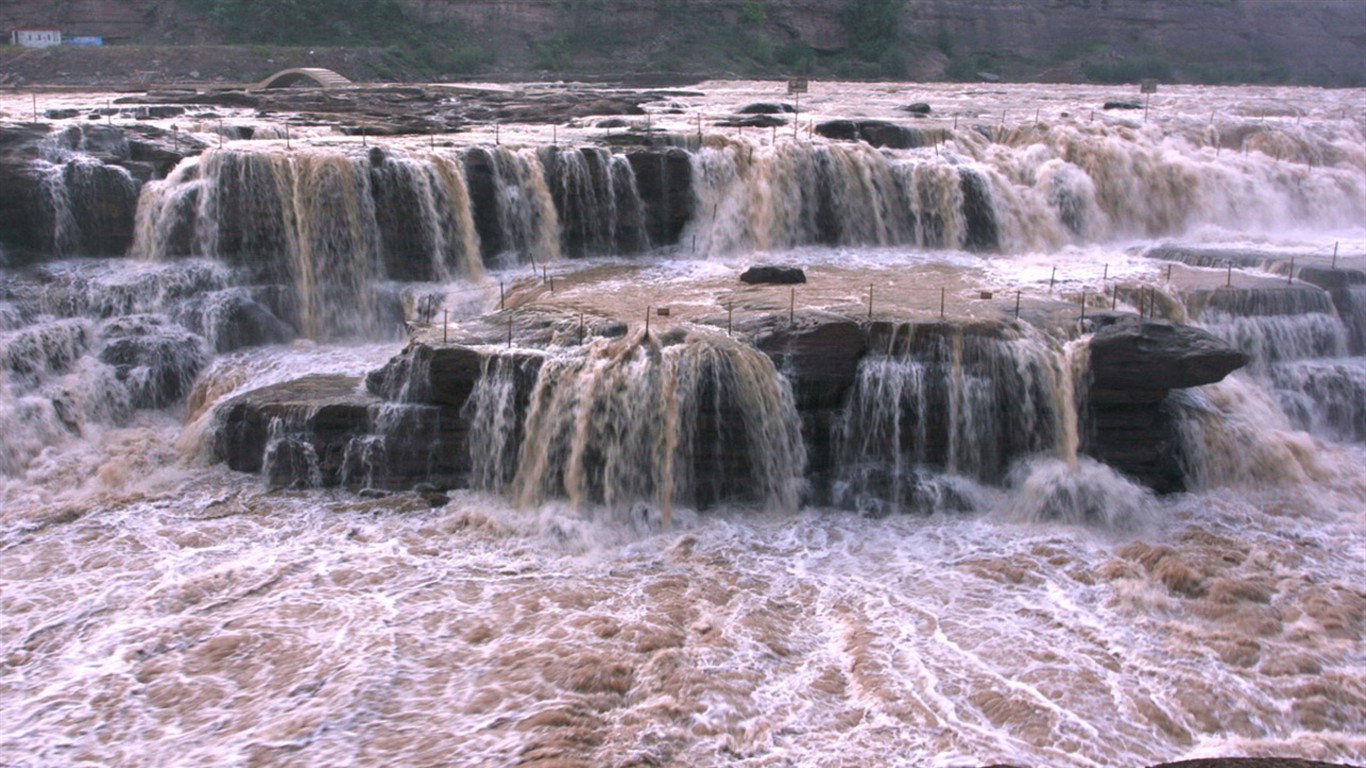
1335 255
445 324
1291 277
1052 277
730 316
502 297
647 322
870 301
942 293
792 308
1083 304
509 331
1114 297
1142 301
581 329
1169 273
1017 305
1106 274
1229 282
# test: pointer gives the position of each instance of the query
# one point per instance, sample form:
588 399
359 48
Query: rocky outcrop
75 192
1133 365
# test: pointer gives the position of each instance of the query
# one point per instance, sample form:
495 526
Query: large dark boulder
773 275
1143 359
879 133
766 108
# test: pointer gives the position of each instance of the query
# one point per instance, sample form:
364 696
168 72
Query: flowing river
584 601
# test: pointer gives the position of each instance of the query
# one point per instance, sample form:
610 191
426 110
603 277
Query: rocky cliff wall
1320 42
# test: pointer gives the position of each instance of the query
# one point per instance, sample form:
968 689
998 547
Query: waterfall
91 206
698 421
1298 346
950 401
327 226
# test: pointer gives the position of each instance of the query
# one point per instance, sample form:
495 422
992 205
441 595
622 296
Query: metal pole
580 329
1106 274
1017 305
1169 273
870 301
1052 278
1291 280
1114 297
1083 304
942 293
730 315
509 331
1229 282
647 322
287 145
1335 255
792 307
796 112
1142 300
502 297
497 135
445 324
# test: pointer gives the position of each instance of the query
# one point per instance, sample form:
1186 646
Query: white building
36 37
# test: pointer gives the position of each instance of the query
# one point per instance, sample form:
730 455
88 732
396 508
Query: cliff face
1293 41
1320 41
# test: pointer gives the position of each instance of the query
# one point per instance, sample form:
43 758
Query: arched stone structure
323 78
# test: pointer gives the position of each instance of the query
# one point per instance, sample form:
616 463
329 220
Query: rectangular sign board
796 85
1147 85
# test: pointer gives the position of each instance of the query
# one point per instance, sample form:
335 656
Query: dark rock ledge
407 426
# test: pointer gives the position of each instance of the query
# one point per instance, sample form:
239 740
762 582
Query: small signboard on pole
1147 85
796 85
